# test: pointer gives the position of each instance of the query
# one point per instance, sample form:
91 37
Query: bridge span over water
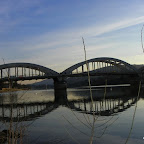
97 66
103 66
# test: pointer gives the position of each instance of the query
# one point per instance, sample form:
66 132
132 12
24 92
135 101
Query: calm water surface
69 121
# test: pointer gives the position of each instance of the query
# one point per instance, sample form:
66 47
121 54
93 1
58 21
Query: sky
49 32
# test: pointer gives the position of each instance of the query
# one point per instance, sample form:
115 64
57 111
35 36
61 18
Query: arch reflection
114 103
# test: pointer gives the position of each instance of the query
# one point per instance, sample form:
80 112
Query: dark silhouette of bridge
25 71
103 66
96 66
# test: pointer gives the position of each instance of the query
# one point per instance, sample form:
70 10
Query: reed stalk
132 123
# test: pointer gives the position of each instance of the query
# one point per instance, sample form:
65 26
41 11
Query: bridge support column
60 90
134 84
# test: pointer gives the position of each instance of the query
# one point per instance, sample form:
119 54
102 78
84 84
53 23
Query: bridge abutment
60 90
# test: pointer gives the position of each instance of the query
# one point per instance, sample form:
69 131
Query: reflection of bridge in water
32 111
107 107
26 111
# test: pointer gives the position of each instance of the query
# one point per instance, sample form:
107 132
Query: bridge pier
134 85
60 90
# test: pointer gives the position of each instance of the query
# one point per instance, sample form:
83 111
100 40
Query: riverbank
11 90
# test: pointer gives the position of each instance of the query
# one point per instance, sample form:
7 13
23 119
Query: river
41 120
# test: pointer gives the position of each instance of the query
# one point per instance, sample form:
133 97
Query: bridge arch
25 71
106 107
26 111
102 65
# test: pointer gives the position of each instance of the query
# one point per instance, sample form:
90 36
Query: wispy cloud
59 49
69 37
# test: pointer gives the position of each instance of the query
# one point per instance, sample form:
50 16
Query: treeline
14 85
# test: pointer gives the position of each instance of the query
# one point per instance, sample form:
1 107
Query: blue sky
49 32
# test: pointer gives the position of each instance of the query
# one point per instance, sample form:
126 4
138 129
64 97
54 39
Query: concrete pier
60 90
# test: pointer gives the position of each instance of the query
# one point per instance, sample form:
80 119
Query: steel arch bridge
101 66
25 71
96 67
